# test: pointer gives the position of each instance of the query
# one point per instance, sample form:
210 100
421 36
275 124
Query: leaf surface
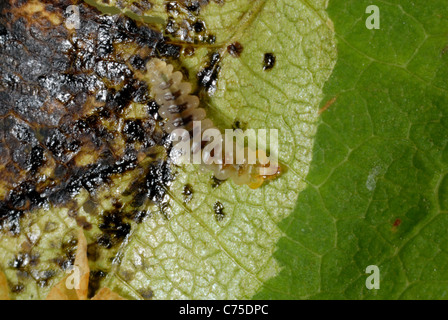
378 179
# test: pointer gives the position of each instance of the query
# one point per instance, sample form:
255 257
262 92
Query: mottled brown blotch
62 92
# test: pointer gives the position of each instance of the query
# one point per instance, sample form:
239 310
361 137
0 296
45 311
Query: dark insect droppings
199 26
269 61
208 77
114 229
211 39
187 193
235 49
237 124
133 130
172 7
218 207
216 182
171 26
188 51
164 49
153 109
37 158
137 62
17 288
194 7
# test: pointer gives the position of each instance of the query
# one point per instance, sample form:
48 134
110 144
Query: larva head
265 172
256 183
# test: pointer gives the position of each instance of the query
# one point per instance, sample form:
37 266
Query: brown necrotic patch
184 24
64 97
187 193
95 278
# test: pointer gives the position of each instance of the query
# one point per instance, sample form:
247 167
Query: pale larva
181 110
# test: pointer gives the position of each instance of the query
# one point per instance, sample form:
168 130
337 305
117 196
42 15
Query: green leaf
366 183
378 185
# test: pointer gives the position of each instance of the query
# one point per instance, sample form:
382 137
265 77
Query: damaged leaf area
201 23
76 286
82 144
71 287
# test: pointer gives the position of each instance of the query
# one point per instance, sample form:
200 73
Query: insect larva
180 110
